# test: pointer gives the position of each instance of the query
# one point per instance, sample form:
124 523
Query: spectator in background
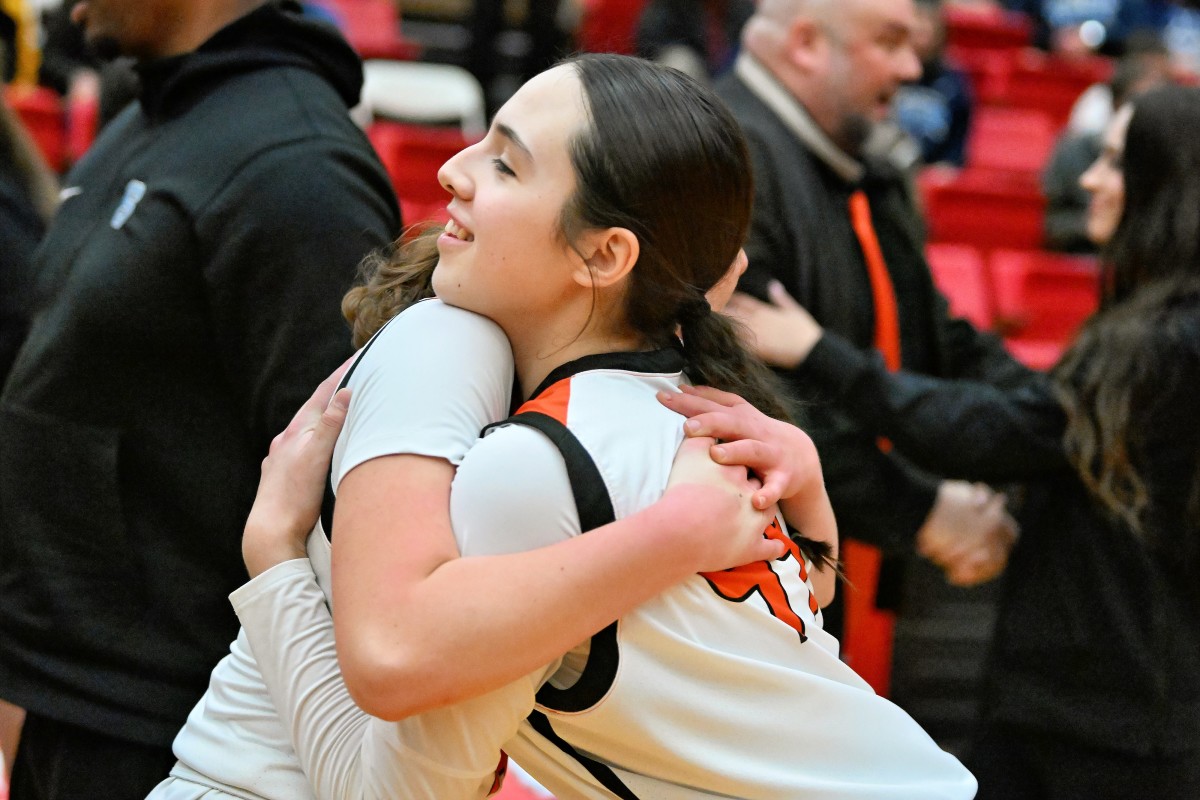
1084 27
186 302
699 37
547 42
1145 58
1182 36
838 229
1093 685
1067 201
936 109
70 68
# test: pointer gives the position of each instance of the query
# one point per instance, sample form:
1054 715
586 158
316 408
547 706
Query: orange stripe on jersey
739 583
552 402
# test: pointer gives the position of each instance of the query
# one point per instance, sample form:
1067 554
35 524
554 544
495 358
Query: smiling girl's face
503 254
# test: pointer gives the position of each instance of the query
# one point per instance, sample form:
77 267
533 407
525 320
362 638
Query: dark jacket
20 231
711 29
188 302
1098 634
801 235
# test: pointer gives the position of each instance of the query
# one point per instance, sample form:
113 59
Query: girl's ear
608 256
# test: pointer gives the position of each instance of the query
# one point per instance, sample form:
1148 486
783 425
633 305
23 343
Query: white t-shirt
426 385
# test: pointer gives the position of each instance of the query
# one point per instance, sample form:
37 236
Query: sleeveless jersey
723 686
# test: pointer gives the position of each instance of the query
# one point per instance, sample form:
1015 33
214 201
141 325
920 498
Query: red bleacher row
994 202
986 221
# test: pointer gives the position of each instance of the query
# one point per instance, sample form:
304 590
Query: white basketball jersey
725 685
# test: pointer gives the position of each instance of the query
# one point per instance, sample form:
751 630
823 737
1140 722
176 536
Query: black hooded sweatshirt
187 302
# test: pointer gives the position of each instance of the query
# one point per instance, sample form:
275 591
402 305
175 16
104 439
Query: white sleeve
512 494
447 754
425 385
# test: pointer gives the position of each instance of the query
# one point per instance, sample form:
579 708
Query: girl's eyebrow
511 135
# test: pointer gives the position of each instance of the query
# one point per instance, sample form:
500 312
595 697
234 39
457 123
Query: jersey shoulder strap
595 508
327 502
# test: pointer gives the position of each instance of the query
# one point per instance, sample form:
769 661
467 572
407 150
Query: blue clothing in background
936 112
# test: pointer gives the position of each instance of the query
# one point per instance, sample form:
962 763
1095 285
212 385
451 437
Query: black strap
591 495
595 509
604 775
327 502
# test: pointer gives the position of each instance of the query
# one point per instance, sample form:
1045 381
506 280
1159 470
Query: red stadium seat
412 156
41 110
1011 139
960 274
987 29
988 71
986 209
608 26
1041 299
1053 84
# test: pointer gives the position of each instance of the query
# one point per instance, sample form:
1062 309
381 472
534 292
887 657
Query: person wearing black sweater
186 302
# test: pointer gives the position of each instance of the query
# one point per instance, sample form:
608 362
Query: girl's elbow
396 688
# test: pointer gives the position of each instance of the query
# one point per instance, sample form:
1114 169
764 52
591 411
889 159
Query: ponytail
391 280
714 356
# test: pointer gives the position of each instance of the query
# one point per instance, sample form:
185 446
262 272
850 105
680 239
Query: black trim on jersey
327 503
668 360
604 775
595 509
587 484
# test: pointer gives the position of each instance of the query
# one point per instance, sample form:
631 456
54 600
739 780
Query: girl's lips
458 230
446 240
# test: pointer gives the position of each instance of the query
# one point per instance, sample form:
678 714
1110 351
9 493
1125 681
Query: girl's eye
503 168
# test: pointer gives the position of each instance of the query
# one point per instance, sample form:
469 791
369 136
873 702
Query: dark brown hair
1112 379
664 158
391 280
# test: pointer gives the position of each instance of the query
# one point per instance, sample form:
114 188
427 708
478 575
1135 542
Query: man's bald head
842 59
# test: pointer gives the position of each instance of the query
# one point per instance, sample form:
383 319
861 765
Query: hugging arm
958 428
447 628
449 751
781 453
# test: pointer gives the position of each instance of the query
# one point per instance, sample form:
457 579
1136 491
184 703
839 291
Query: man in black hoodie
187 301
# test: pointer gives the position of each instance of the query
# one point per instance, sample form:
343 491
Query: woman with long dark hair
1093 684
593 225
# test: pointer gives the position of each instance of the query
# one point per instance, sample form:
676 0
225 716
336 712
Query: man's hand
968 533
781 332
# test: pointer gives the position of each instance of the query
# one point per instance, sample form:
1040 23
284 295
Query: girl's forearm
473 624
